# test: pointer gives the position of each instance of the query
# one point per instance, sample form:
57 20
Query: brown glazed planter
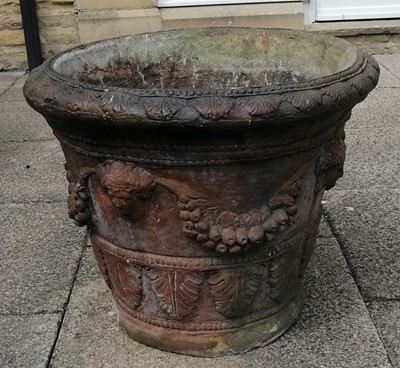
198 160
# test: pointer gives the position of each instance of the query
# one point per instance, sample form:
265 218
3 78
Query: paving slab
372 159
334 324
26 341
367 225
7 79
19 122
334 331
386 316
40 250
324 230
32 171
14 93
379 110
387 79
390 62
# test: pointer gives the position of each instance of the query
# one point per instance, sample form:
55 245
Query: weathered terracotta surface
200 174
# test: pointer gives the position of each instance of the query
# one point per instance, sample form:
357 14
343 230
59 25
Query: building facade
66 23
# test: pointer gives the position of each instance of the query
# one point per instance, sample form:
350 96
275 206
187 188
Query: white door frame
349 10
310 10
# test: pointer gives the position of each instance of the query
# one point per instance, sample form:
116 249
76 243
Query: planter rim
55 95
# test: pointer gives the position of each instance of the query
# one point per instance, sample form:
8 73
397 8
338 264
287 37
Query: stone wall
12 47
57 27
66 23
96 22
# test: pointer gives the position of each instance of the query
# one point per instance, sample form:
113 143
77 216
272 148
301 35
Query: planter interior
206 60
198 160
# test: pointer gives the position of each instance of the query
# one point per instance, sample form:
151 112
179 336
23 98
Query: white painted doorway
342 10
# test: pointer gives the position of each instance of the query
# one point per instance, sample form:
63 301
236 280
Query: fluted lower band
215 343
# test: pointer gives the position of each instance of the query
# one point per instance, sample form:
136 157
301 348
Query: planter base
212 343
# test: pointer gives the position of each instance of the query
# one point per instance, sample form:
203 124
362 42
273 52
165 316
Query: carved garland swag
130 187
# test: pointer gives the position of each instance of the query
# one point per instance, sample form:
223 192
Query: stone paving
55 310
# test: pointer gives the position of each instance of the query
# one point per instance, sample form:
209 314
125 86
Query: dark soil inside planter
179 72
211 59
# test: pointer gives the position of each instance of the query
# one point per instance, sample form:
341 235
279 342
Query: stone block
9 5
117 4
98 25
366 223
396 38
67 3
54 7
50 50
10 20
279 15
334 324
51 19
12 37
41 248
287 21
26 341
368 39
57 23
13 58
59 35
64 2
